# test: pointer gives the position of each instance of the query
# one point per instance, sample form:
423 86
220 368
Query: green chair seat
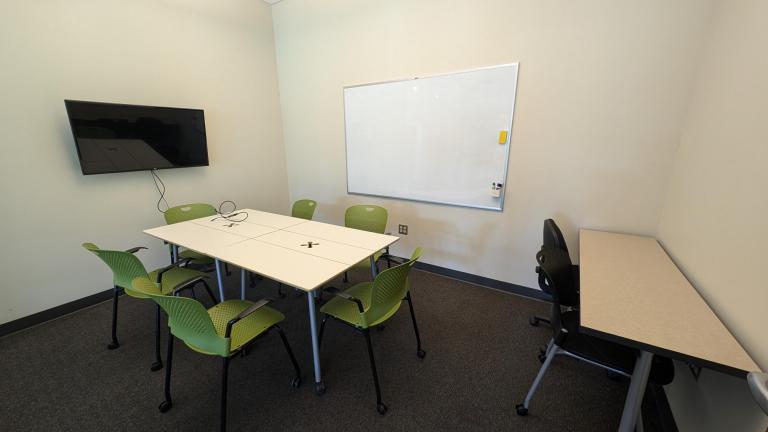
196 257
170 280
345 310
244 330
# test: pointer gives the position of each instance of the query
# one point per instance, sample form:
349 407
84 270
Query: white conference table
632 293
296 252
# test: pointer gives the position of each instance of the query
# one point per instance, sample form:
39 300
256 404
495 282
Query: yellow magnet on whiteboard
502 137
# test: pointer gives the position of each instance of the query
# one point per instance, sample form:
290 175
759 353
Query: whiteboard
434 139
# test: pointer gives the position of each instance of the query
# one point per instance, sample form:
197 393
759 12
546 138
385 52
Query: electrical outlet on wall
402 229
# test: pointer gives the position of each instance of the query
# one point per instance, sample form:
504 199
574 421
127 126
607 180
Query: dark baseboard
662 409
55 312
484 281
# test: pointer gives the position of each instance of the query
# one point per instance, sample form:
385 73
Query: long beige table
632 293
299 253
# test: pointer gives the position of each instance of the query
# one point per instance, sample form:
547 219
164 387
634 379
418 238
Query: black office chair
552 237
557 280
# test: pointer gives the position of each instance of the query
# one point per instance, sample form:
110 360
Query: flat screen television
117 138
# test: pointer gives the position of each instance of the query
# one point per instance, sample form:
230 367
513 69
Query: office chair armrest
253 308
338 293
178 263
135 249
188 284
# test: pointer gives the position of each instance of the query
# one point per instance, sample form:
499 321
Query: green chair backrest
366 217
124 265
187 212
187 318
389 289
304 208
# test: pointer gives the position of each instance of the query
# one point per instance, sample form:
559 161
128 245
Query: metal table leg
373 268
219 280
319 386
242 283
175 253
636 391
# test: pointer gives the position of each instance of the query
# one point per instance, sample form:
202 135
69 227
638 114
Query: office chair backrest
124 265
187 318
553 237
304 208
389 289
366 217
556 269
187 212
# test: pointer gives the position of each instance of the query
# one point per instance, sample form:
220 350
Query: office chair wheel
113 345
156 366
421 353
165 406
296 383
381 408
521 410
381 327
533 321
319 388
542 357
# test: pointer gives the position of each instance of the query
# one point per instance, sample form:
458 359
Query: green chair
187 212
370 304
224 330
368 218
304 208
125 267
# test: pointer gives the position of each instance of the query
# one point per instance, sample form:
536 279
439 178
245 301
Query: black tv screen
116 138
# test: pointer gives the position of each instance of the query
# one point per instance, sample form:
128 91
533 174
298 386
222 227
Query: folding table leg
242 283
373 268
219 280
636 391
319 386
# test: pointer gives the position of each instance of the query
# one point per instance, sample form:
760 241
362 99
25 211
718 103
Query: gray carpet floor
481 359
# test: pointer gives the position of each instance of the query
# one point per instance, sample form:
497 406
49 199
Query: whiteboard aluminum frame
454 204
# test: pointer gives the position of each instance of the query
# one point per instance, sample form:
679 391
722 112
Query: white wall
602 91
715 220
211 54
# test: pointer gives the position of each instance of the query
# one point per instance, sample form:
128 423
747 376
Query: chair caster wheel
156 366
421 353
381 408
380 328
113 345
541 357
319 388
534 322
521 410
165 406
296 383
